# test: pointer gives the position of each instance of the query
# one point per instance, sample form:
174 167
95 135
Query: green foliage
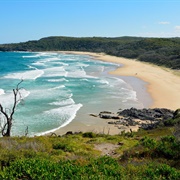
105 168
167 147
75 157
172 122
156 133
89 135
162 171
148 142
175 120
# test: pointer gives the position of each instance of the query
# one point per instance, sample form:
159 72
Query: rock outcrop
148 114
150 118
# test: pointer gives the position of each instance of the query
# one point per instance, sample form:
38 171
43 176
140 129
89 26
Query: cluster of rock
148 114
108 115
150 118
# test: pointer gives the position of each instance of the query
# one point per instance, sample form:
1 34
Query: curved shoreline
162 85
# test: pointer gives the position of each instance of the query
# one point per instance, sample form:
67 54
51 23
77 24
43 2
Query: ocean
56 86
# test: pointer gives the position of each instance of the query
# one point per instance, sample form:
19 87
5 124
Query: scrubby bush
89 135
172 122
148 142
105 168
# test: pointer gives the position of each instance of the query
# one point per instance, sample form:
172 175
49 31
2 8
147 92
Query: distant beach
162 85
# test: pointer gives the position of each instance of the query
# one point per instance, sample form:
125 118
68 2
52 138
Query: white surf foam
128 94
78 73
7 99
57 87
2 91
49 59
55 72
65 102
47 53
31 67
68 113
82 65
38 63
45 94
33 74
31 56
132 96
117 82
103 81
58 80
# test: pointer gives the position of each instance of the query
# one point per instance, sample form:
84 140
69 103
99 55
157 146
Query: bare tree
8 115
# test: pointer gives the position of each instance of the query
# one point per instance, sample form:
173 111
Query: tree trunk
8 130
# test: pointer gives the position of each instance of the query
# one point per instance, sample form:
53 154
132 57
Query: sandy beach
163 85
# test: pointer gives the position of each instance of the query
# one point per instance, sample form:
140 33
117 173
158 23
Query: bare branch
16 91
6 128
3 112
26 131
15 103
17 87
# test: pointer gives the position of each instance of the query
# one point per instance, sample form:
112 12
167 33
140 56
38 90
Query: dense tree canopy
160 51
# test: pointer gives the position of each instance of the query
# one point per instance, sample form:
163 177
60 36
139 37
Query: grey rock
147 114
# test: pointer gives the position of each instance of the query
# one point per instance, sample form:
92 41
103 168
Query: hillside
159 51
146 154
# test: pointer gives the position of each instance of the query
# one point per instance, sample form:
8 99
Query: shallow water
56 86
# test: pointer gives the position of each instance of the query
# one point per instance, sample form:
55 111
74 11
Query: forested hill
160 51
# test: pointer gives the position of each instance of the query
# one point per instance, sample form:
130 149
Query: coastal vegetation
159 51
146 154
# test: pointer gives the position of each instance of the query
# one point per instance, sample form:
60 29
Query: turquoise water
56 86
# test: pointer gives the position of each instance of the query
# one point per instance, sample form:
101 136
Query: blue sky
23 20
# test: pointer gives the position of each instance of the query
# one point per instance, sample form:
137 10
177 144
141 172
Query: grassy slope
152 154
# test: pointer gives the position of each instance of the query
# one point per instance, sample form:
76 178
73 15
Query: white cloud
177 28
164 22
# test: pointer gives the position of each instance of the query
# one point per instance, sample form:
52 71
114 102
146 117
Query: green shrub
172 122
168 147
103 168
89 135
161 171
148 142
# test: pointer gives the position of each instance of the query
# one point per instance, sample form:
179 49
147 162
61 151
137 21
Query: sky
23 20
